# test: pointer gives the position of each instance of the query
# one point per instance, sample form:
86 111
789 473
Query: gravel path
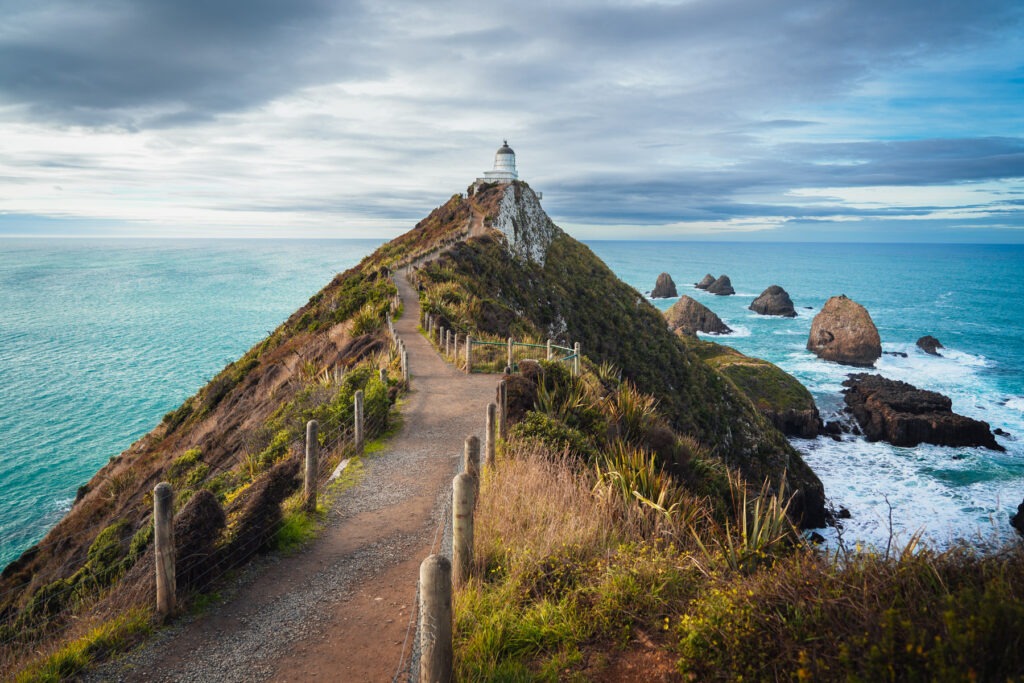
340 609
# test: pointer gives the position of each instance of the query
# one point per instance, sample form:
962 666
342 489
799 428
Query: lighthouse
504 167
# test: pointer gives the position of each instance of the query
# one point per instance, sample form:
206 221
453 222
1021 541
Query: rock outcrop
705 281
903 415
775 393
930 345
844 332
688 316
1017 520
774 301
722 286
664 287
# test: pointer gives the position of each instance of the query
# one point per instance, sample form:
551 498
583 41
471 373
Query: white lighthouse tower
504 167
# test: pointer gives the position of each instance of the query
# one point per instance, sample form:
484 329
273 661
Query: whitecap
1015 403
737 331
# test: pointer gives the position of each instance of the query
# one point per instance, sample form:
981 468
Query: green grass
99 643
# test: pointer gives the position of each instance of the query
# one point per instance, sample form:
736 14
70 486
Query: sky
797 120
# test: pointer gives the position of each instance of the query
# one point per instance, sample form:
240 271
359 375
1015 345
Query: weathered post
359 433
447 342
383 375
549 349
463 500
455 349
510 352
471 459
503 409
312 465
163 546
436 620
489 435
576 360
405 366
469 355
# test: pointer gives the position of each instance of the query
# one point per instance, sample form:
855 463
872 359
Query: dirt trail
339 610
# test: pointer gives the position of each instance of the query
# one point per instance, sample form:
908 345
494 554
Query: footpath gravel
339 609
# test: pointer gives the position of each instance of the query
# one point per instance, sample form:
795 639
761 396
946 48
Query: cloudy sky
701 119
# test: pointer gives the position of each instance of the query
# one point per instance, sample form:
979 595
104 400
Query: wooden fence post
383 375
549 349
503 409
405 366
469 355
576 360
436 620
312 464
510 352
447 342
471 456
455 349
359 433
489 436
163 546
463 500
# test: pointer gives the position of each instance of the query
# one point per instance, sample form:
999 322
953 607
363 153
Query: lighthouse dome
505 149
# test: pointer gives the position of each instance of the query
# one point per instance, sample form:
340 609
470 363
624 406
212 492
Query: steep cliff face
570 295
527 229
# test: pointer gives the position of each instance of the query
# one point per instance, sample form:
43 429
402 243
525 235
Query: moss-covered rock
778 395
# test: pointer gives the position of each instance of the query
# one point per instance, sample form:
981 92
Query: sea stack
689 316
930 345
722 286
843 332
774 301
705 281
664 287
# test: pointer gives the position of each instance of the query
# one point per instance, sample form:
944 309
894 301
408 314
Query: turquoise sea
968 296
99 338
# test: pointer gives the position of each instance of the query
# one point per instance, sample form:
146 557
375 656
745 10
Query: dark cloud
169 60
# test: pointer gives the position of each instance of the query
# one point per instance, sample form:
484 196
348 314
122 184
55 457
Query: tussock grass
566 567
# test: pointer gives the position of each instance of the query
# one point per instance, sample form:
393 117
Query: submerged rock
844 332
705 282
664 287
688 316
903 415
722 286
774 301
930 345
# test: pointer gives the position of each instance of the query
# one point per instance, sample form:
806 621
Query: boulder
688 316
774 301
903 415
930 344
722 286
664 287
844 332
705 282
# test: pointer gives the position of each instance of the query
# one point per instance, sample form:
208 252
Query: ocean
965 295
99 338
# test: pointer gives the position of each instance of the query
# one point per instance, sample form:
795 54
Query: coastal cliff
492 264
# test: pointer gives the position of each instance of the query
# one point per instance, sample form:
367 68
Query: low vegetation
604 552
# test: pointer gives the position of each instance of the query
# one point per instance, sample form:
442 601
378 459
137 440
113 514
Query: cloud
356 115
